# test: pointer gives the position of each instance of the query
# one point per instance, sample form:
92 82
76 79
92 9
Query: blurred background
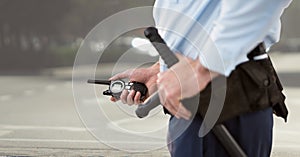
38 44
35 35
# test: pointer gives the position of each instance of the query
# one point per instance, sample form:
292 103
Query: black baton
220 131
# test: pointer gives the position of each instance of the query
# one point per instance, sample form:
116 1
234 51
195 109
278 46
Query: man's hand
148 76
185 79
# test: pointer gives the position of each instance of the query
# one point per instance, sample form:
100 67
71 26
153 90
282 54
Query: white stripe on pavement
5 97
50 87
5 132
29 92
77 141
29 127
46 140
286 146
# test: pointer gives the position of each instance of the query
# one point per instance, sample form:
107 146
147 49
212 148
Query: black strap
258 50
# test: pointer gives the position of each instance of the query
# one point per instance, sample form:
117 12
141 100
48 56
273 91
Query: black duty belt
252 86
257 51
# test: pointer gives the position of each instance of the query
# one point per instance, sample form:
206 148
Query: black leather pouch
252 86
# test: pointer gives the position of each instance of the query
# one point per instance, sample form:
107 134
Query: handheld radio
116 87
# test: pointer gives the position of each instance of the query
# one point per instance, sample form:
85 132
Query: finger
123 96
137 98
179 110
173 99
175 109
183 112
130 97
171 109
164 102
161 94
113 99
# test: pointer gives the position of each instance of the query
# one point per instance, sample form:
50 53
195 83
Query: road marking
68 84
2 133
5 97
77 141
50 87
29 127
29 92
286 146
92 101
288 132
47 140
132 125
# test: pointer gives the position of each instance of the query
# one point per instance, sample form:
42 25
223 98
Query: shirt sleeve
241 26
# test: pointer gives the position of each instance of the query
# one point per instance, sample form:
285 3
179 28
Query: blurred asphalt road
38 116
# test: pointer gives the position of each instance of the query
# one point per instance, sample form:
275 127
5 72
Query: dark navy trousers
252 131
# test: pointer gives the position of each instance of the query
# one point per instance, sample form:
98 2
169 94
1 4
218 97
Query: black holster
252 86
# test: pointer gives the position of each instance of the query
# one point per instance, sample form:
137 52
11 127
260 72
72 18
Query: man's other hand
183 80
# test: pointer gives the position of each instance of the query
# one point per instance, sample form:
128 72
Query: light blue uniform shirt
219 32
